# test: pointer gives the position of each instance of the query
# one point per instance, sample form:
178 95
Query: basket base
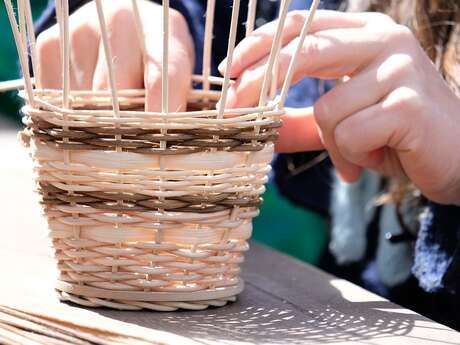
158 301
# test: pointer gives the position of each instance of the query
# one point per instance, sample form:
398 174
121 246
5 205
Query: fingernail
230 101
222 66
231 98
351 175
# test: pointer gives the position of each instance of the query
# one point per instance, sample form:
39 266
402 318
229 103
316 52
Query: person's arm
395 115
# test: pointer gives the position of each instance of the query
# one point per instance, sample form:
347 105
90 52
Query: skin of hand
393 113
88 68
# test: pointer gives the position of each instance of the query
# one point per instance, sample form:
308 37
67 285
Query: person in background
391 126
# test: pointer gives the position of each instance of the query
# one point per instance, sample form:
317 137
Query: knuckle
153 82
343 139
48 42
311 48
177 19
120 16
405 100
260 37
381 18
154 88
296 17
80 36
174 72
180 30
284 60
322 111
401 33
398 66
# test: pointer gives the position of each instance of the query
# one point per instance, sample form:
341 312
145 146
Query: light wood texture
284 302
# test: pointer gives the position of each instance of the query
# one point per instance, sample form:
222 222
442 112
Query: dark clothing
434 287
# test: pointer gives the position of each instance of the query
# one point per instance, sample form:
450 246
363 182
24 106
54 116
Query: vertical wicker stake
165 64
115 106
22 51
276 67
109 60
230 48
22 22
158 218
303 35
164 110
206 71
251 21
32 43
207 47
275 48
65 43
139 30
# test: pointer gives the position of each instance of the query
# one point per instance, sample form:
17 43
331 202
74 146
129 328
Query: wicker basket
148 210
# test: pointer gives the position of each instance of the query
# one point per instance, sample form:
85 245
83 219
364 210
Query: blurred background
281 225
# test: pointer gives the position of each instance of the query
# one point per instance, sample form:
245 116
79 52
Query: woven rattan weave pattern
149 141
141 202
149 209
116 232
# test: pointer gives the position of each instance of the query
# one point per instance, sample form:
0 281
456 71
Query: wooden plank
285 300
289 302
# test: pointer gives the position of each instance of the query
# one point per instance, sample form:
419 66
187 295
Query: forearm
299 132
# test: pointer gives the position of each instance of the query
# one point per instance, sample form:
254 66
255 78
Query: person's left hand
88 68
395 114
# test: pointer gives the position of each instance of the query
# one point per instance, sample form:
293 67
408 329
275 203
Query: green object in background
9 66
289 228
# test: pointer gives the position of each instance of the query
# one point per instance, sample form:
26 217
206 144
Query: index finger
257 45
328 54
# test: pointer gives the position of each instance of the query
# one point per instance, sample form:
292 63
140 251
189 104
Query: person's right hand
88 68
393 114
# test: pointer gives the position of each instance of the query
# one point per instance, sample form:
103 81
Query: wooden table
285 301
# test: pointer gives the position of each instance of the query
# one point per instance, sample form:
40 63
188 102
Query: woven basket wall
150 209
137 225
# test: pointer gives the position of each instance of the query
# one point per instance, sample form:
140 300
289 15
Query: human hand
88 65
393 114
